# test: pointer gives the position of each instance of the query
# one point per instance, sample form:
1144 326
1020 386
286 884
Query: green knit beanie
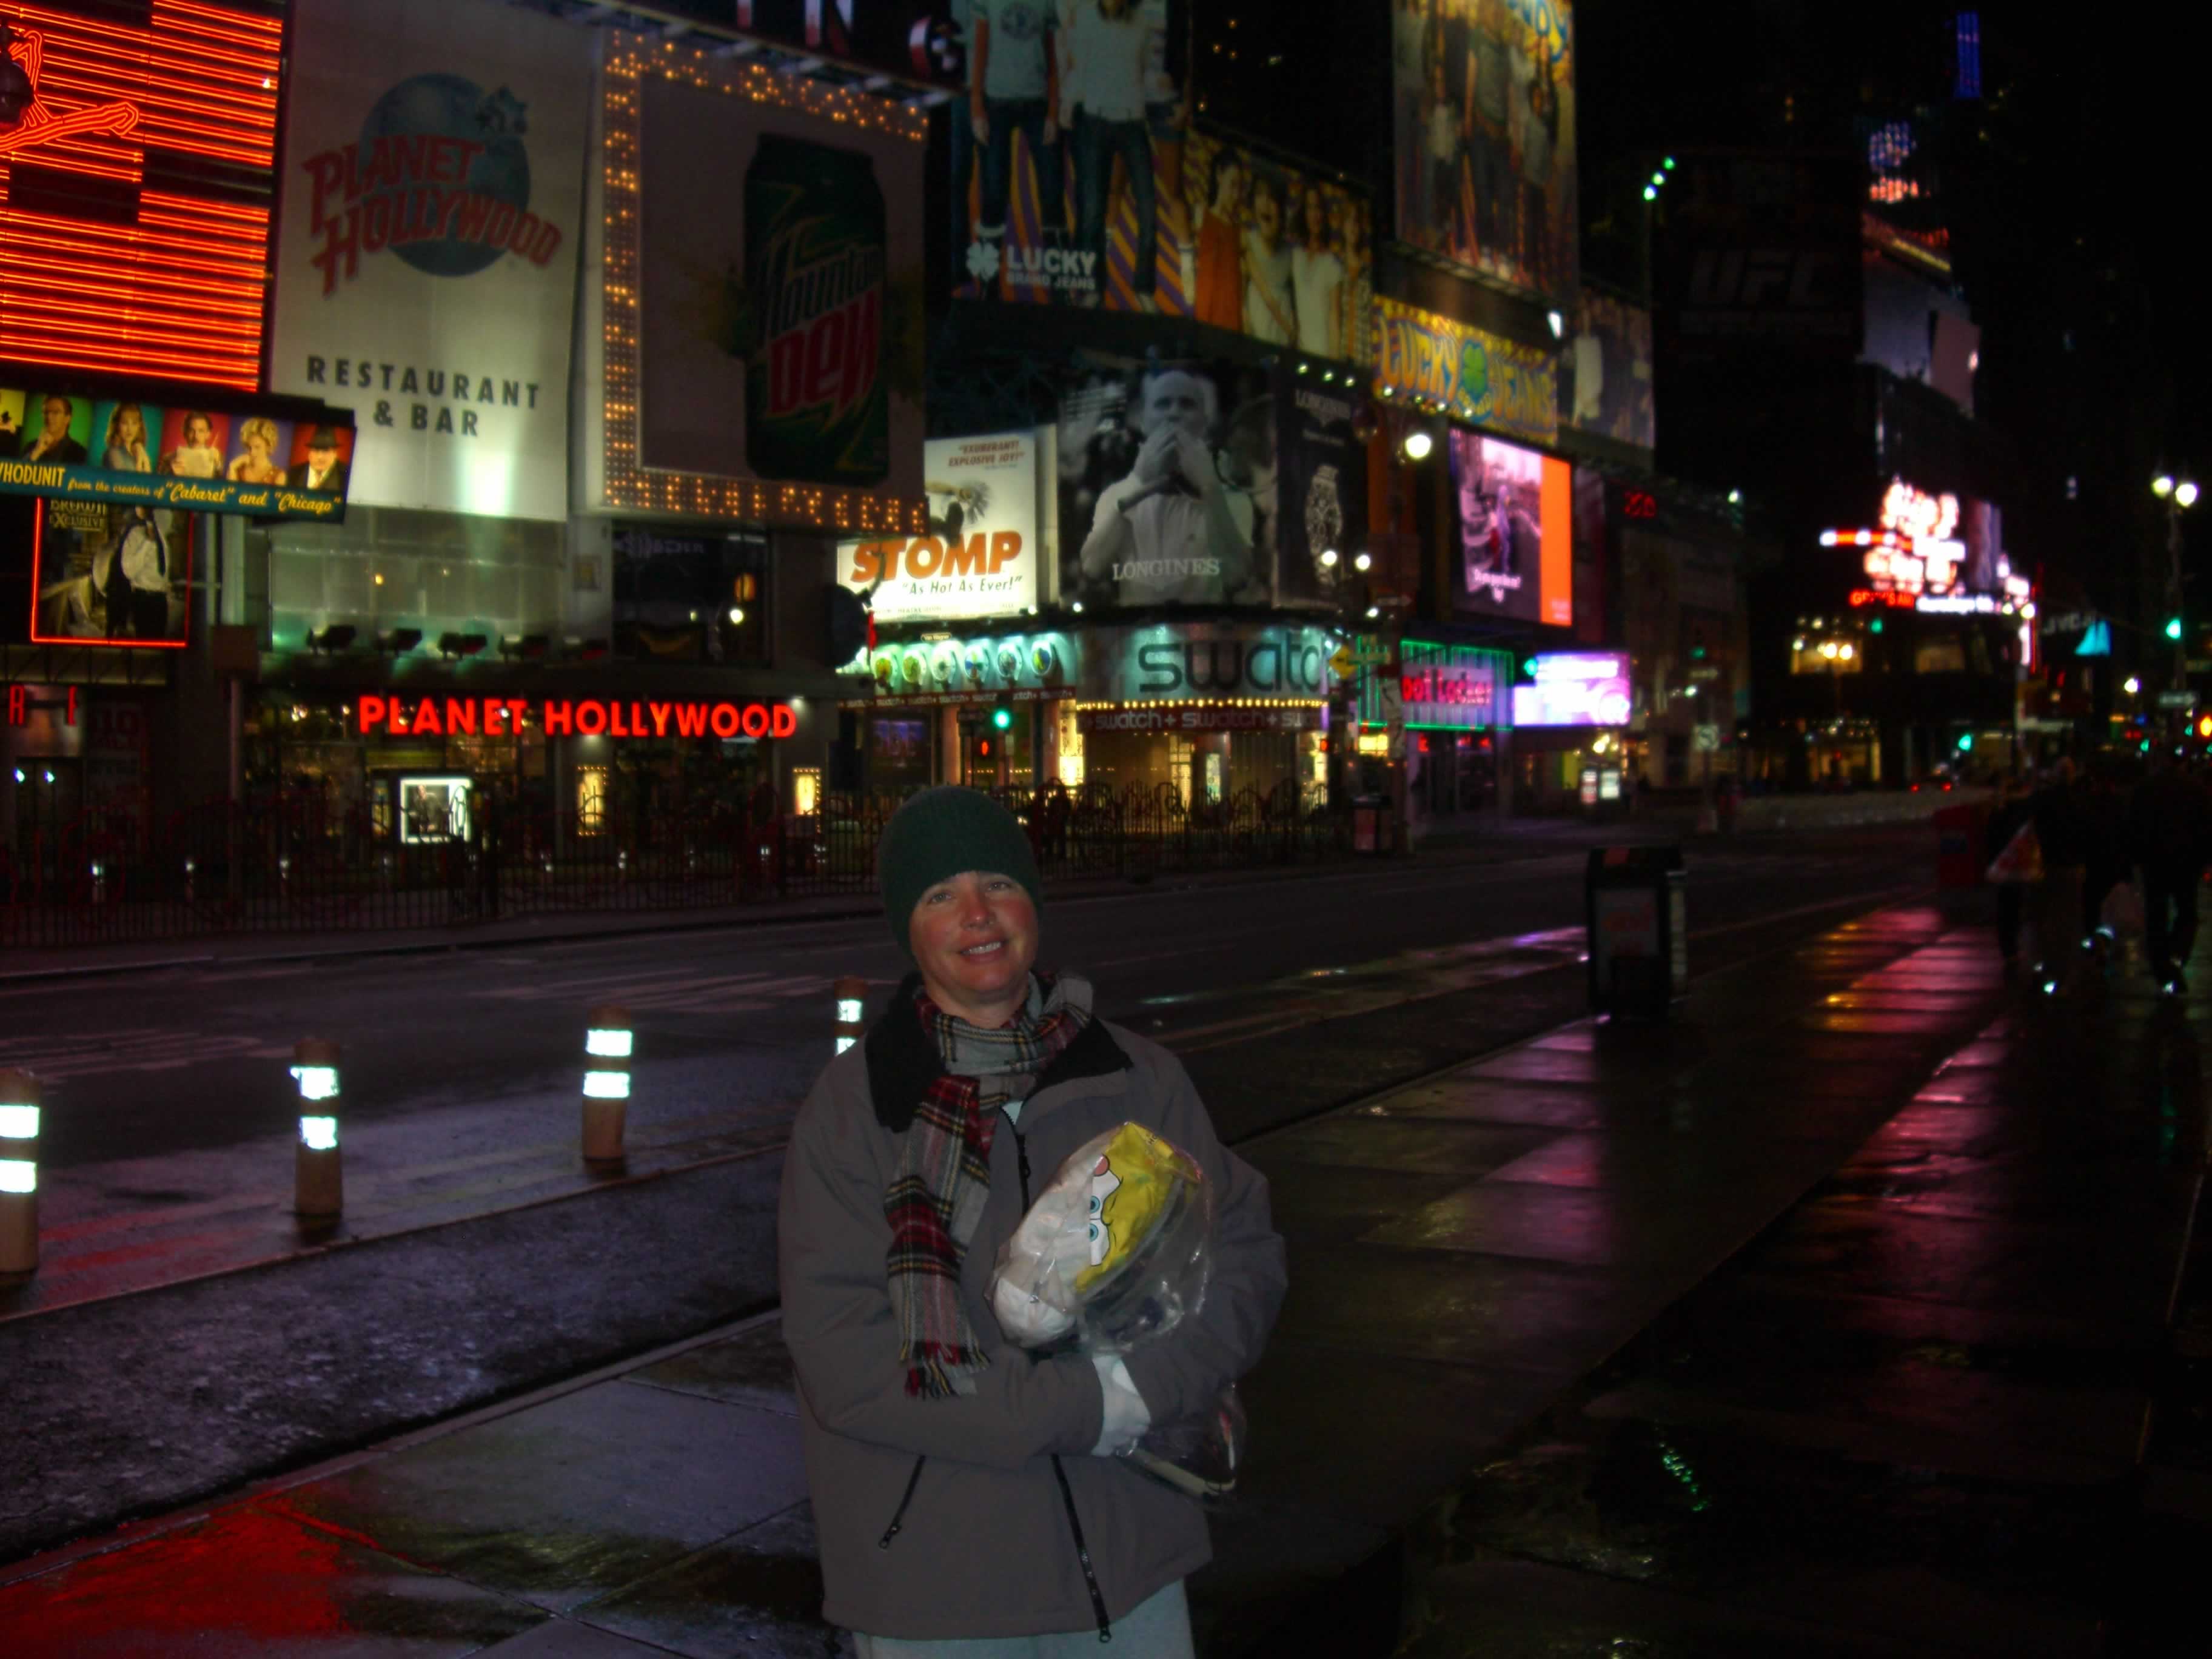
943 832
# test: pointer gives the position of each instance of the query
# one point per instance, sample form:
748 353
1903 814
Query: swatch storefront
1207 709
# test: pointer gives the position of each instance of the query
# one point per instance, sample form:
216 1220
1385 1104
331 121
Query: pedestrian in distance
2063 826
2012 815
2105 799
968 1499
2170 836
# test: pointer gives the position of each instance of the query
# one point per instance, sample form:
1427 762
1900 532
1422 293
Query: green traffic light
1002 718
1874 627
2173 627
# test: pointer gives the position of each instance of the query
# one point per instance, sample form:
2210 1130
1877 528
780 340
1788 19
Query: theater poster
108 574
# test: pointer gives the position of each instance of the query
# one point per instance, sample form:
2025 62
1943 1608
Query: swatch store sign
1195 663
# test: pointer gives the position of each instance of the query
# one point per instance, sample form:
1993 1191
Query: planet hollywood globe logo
440 176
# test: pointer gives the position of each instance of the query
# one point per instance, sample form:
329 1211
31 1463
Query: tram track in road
1396 1019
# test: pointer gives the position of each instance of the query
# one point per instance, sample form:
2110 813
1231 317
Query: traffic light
1002 713
2173 627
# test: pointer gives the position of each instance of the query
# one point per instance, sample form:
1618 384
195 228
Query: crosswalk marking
139 1048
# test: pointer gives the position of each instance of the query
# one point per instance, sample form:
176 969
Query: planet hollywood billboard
433 168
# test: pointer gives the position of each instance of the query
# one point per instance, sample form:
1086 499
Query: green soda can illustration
818 409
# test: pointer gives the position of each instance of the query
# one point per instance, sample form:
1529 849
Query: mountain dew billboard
779 327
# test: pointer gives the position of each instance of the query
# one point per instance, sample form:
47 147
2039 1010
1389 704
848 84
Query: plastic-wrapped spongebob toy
1112 1251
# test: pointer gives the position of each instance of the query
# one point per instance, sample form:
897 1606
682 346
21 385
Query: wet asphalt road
188 1063
1285 998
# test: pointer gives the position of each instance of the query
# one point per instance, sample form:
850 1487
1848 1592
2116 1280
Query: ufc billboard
1757 253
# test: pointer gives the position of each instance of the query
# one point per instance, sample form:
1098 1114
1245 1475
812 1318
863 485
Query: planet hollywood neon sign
567 717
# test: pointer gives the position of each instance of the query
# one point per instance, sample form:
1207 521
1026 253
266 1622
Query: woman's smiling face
975 938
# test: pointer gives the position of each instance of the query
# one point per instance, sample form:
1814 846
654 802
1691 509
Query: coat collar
904 1061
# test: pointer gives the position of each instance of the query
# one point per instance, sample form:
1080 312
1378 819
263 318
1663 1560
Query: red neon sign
20 705
1894 600
99 269
564 717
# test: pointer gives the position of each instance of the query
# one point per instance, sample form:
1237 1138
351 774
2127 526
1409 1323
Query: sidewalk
1465 1252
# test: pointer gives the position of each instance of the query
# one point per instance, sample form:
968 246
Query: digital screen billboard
1576 688
1516 537
1485 170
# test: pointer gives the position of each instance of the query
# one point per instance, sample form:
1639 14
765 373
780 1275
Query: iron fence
300 863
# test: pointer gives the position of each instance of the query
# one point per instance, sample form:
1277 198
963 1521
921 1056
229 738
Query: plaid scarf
945 1171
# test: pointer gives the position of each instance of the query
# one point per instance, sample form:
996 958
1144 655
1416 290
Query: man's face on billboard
58 411
1176 400
199 431
322 456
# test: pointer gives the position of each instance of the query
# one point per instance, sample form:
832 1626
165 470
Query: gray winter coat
984 1514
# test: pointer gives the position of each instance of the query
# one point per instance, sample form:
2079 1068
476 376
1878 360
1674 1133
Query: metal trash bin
1371 827
1639 936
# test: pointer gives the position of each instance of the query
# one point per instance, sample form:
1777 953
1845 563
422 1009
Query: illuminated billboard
1484 95
980 556
1576 688
1169 490
1204 228
1473 374
1934 551
277 459
433 160
762 316
1515 539
138 145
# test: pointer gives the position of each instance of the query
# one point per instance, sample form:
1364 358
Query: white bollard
852 994
18 1174
318 1173
608 1044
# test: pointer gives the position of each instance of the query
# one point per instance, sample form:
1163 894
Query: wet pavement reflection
1820 1318
1911 1418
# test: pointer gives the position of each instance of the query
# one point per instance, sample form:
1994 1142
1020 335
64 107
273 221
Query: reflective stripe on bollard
852 995
609 1042
20 1100
317 1170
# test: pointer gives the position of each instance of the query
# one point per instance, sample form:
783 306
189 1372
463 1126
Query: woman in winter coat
966 1499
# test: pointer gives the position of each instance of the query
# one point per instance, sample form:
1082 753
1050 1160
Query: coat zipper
905 1498
1066 1492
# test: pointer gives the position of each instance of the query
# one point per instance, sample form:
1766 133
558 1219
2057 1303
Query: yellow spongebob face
1130 1186
1104 1183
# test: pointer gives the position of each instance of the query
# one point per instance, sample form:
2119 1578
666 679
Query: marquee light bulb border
630 58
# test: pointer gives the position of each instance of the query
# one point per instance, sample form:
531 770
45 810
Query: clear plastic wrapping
1114 1253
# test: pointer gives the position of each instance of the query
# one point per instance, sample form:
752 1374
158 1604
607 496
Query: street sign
1345 664
1708 738
2177 700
